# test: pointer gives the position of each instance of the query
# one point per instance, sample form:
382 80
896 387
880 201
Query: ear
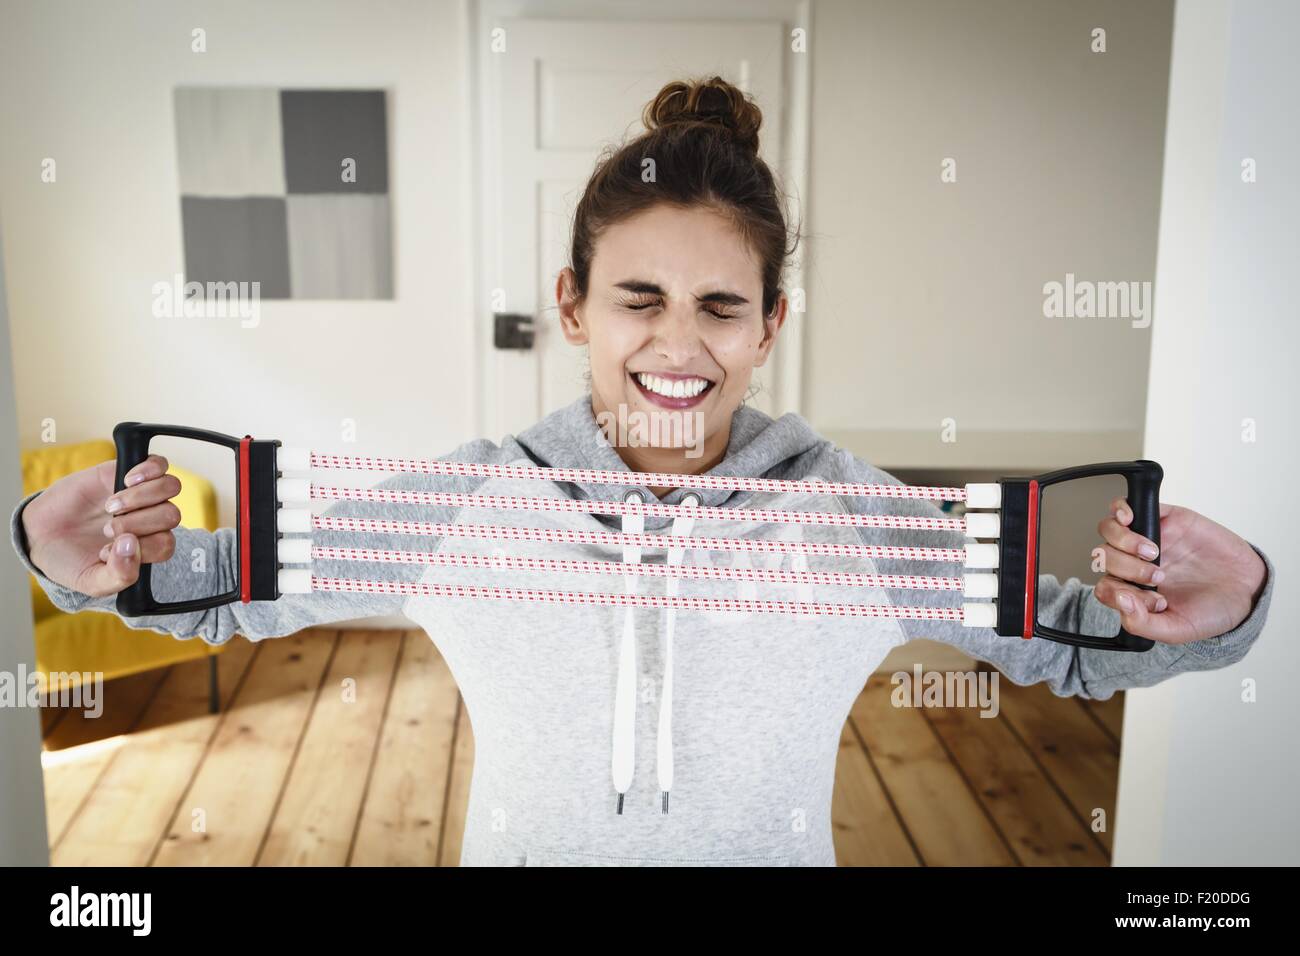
566 298
771 326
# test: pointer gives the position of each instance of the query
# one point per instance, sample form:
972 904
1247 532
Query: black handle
1143 478
132 441
1144 499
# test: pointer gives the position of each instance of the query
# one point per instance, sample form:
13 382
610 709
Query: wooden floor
352 748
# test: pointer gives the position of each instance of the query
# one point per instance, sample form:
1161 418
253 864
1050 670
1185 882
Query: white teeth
674 388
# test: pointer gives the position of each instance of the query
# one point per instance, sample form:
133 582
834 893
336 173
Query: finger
1128 568
121 570
1130 542
1120 510
146 521
151 491
154 549
157 548
155 466
1115 594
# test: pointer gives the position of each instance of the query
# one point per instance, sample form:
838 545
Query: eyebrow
653 288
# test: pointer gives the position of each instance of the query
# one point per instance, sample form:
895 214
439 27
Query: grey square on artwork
237 240
322 128
340 247
228 141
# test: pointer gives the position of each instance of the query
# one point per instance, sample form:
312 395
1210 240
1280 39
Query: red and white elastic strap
294 459
292 489
300 520
302 551
302 491
614 599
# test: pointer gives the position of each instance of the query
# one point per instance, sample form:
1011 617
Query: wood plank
1073 750
1108 713
1040 828
291 796
124 700
50 717
866 830
401 816
124 818
242 774
462 769
945 819
317 816
79 748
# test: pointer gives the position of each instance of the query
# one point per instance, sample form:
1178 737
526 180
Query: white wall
90 85
1058 163
1204 777
22 792
925 299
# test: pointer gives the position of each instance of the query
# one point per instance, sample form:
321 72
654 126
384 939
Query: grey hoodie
759 700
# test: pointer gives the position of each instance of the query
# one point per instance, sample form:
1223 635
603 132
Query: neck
649 458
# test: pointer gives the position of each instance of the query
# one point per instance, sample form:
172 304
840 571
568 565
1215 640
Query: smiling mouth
675 392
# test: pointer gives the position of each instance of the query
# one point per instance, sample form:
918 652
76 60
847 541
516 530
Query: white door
558 93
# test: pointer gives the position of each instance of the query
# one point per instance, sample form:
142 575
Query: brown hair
703 138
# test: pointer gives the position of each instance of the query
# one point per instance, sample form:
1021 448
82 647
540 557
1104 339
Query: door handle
512 330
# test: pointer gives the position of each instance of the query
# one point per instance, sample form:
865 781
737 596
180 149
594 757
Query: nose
676 335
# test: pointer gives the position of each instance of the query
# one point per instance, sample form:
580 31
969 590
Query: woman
675 291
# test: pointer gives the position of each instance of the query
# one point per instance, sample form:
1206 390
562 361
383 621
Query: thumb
1133 614
121 568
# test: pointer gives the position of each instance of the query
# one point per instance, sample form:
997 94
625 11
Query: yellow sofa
92 641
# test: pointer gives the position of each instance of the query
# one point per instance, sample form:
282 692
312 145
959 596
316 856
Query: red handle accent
1031 560
245 525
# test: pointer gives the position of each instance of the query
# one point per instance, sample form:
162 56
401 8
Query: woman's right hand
76 540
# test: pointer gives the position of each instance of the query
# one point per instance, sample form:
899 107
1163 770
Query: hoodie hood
757 447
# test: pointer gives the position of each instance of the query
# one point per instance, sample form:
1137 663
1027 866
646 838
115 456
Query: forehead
668 244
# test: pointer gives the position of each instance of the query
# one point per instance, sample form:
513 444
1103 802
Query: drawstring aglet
664 810
620 804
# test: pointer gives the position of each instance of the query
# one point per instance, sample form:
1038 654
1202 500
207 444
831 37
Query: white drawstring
682 526
625 694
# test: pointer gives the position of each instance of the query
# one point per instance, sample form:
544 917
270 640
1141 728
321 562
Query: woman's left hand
1207 581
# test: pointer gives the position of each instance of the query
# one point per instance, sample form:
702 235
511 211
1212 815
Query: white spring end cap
981 555
973 614
294 581
983 524
292 459
984 495
293 520
980 585
293 550
293 489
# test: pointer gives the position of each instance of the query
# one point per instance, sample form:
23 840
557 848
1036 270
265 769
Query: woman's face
673 325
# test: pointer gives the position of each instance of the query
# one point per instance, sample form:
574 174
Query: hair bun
713 101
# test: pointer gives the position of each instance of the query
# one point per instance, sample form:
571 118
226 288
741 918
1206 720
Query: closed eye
641 306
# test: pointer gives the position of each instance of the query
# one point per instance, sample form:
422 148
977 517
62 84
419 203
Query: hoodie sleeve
1069 606
215 554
